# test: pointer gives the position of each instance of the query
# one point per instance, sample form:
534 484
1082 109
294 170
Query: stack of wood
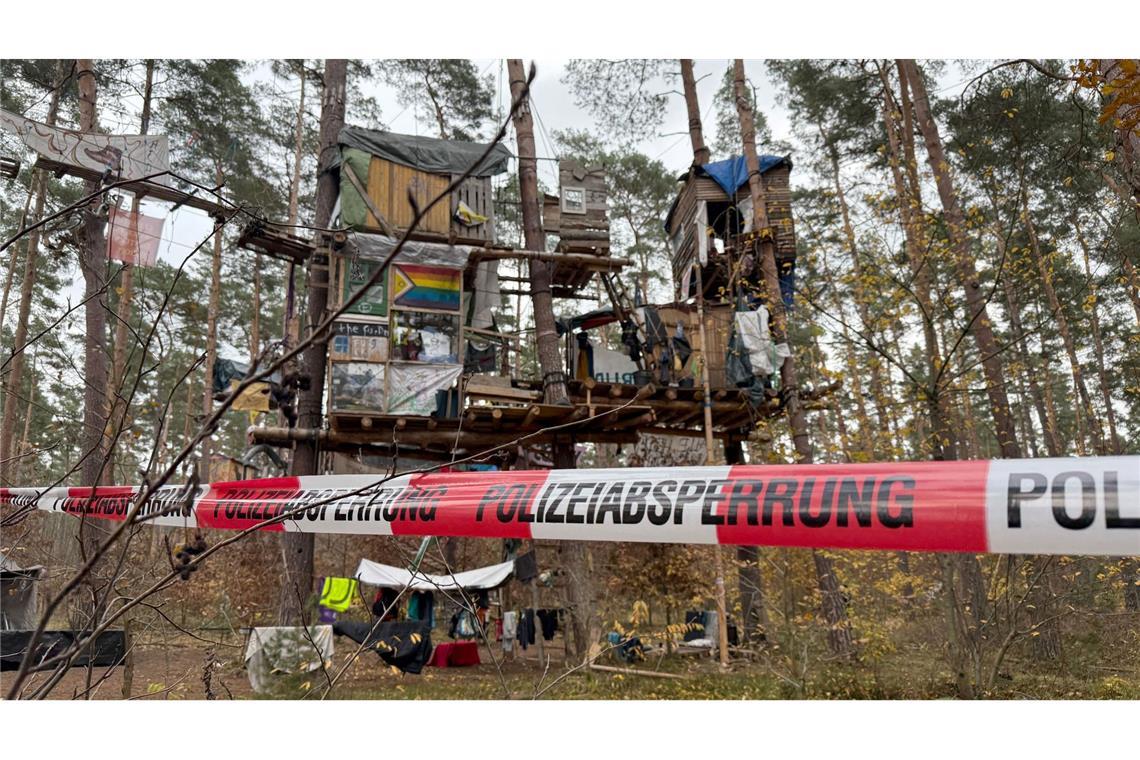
578 215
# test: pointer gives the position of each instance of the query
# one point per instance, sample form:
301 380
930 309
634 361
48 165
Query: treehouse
418 364
710 222
381 171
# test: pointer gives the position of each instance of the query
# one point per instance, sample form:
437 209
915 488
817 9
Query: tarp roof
731 174
388 576
375 246
427 154
10 568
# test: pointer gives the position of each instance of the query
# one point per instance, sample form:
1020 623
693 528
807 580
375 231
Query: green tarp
427 154
353 210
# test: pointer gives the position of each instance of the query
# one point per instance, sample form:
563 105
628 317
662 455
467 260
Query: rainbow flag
421 286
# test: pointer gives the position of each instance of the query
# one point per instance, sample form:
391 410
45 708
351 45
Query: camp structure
710 224
18 590
419 364
19 615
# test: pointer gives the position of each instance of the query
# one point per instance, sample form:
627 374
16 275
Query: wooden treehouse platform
495 416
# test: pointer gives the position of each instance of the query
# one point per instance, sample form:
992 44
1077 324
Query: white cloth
510 630
702 223
486 296
397 577
752 327
284 650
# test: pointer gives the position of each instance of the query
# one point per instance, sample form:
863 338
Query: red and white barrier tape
1039 506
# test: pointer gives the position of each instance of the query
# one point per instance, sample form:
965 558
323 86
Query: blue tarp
732 173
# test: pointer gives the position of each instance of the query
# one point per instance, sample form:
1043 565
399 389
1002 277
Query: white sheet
397 577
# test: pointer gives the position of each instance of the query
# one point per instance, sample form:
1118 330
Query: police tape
1039 506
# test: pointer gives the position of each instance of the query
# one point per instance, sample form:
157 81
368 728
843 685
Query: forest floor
178 671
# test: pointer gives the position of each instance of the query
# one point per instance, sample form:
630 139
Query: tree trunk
207 447
89 602
581 591
93 263
860 296
834 608
1131 284
1048 421
1046 272
696 136
15 378
297 548
1116 446
943 438
119 410
980 324
549 355
298 152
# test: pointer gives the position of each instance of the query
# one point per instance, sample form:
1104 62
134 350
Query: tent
388 576
18 590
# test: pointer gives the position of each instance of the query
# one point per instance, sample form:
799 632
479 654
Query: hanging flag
133 237
1011 506
123 156
423 286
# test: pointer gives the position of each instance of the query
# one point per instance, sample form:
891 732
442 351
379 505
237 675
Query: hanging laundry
384 605
337 593
752 327
548 619
509 630
681 348
421 606
525 633
133 237
526 567
584 365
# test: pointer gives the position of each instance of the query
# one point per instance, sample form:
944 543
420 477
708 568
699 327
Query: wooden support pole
710 458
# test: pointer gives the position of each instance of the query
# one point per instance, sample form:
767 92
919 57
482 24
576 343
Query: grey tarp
285 650
427 154
371 246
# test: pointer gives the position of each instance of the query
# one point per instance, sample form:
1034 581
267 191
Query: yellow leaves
1012 112
1109 155
1067 182
1007 93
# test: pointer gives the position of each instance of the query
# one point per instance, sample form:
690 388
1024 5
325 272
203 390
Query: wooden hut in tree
417 364
379 170
710 222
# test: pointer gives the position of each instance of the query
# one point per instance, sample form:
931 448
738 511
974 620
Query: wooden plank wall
388 186
718 330
476 193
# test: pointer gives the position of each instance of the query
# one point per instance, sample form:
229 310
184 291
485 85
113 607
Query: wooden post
710 458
